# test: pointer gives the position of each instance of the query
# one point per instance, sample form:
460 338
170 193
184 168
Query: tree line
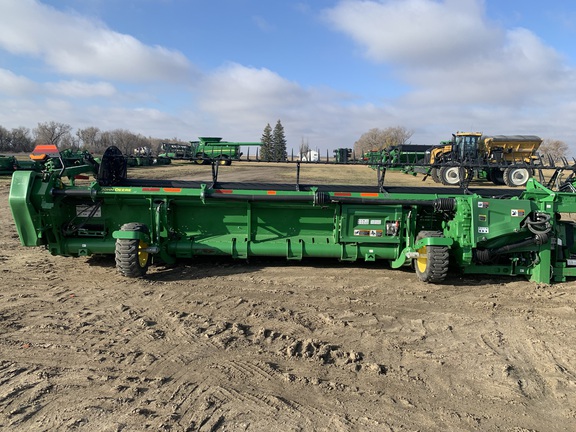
91 138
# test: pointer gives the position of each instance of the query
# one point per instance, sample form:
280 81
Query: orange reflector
172 189
366 194
45 148
271 192
38 157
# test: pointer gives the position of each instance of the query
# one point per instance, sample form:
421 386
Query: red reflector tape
342 194
223 191
150 189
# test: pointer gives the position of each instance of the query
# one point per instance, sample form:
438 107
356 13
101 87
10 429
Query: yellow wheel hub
142 254
422 260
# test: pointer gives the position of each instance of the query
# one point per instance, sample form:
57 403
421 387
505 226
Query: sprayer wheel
131 258
432 263
517 175
450 175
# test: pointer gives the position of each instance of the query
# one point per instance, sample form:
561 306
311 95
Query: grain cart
436 230
501 159
205 150
208 149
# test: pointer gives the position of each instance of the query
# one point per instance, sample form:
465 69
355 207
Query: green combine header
436 230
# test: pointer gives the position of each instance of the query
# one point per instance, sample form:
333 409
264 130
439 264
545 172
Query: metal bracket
214 173
381 173
298 176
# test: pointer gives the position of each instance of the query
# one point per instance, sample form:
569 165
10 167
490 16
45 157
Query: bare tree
5 139
22 140
554 149
304 147
52 133
125 140
378 139
89 138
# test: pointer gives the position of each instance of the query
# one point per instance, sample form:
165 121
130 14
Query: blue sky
330 70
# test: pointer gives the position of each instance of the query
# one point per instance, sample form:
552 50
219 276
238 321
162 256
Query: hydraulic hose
486 255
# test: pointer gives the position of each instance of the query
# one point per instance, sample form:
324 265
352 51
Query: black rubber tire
201 159
450 175
224 160
434 175
515 176
131 261
432 265
497 177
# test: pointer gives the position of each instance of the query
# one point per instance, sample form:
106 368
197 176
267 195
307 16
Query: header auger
437 230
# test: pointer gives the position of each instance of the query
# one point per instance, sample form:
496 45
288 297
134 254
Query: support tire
131 259
432 263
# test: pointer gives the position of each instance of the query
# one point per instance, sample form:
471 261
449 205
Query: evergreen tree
266 150
279 143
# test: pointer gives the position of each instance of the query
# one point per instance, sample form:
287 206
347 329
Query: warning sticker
363 221
375 233
483 204
517 212
483 230
362 233
482 218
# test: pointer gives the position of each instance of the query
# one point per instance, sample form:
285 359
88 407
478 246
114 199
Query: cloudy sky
330 70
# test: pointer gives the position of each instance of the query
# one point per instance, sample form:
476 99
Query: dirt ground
222 345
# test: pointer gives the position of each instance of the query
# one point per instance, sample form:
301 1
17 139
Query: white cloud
235 87
12 84
77 46
239 101
78 89
417 32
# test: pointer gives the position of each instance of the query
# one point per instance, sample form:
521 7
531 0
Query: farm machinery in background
502 159
45 157
142 156
205 150
400 157
9 164
434 230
